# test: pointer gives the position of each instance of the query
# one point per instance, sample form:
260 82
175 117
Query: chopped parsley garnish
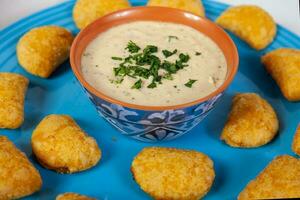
172 37
184 58
119 80
120 71
146 64
137 85
116 58
168 76
132 47
190 83
152 85
150 49
168 53
198 53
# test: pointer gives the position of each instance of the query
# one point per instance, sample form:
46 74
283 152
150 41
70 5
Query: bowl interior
218 35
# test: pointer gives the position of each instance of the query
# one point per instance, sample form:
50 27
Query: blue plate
111 178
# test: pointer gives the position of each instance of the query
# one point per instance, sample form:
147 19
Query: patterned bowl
153 123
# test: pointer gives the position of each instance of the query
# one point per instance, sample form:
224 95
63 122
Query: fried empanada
296 142
279 180
251 23
41 50
194 6
252 122
73 196
13 89
87 11
169 173
18 177
61 145
284 66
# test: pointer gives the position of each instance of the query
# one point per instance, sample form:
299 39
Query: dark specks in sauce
197 53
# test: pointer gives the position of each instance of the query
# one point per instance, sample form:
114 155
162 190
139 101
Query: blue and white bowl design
153 126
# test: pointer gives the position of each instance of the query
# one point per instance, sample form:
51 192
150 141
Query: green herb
152 85
120 71
140 71
144 65
169 67
190 83
172 37
137 85
132 47
168 76
198 53
116 58
150 49
184 57
168 53
118 81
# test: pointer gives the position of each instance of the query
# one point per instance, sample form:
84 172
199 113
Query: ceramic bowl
153 123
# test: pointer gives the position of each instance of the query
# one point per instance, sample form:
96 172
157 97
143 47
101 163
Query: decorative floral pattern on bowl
153 126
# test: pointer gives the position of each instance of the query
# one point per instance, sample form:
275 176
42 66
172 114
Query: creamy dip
207 64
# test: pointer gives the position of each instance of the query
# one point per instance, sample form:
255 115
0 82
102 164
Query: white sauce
209 68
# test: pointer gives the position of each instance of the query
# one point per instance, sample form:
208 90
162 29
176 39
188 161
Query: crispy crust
41 50
251 23
284 66
296 142
73 196
87 11
169 173
194 6
280 179
18 177
252 122
13 89
60 144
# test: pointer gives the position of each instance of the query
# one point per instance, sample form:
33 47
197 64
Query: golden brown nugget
296 142
169 173
18 177
284 66
194 6
13 89
252 122
73 196
87 11
280 179
61 145
251 23
41 50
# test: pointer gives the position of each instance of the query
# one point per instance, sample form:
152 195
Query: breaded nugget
60 144
87 11
280 179
194 6
13 89
296 142
169 173
73 196
251 23
18 177
252 122
41 50
284 66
